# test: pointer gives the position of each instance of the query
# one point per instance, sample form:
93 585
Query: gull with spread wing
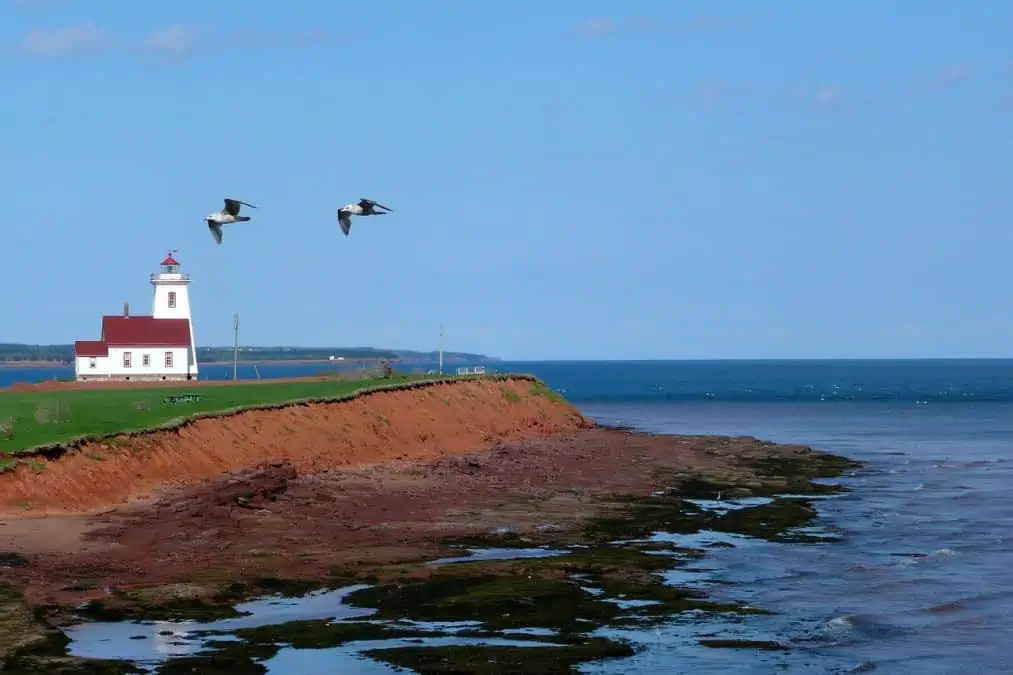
230 214
364 207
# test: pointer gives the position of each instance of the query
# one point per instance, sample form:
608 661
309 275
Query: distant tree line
213 354
12 352
21 352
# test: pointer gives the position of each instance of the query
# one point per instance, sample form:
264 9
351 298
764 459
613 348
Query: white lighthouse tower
171 300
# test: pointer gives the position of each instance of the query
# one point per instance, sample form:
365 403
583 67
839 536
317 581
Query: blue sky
569 180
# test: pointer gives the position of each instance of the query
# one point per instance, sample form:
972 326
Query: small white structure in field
159 346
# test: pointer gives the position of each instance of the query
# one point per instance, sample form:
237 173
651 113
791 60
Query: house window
172 299
168 359
126 359
146 360
91 362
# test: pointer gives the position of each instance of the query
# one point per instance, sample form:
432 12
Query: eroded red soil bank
273 521
429 422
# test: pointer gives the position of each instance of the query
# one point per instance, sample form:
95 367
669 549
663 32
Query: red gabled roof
145 331
91 348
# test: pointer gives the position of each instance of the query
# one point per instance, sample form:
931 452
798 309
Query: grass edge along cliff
46 422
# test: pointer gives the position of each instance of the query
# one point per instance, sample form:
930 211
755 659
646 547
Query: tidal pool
512 607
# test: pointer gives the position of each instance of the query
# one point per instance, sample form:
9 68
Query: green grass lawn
45 418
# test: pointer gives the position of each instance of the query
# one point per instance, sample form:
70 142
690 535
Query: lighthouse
171 300
159 346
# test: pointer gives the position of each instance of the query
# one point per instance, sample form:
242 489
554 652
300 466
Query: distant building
159 346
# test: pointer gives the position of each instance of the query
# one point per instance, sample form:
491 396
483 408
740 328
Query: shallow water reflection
324 630
481 555
152 641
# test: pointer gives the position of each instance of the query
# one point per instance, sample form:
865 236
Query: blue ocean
919 581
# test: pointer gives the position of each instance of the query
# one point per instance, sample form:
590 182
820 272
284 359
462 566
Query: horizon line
651 360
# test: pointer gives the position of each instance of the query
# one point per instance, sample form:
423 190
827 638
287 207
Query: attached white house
159 346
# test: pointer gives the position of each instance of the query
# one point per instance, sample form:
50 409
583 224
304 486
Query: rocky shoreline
596 495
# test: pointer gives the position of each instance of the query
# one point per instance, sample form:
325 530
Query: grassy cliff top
36 419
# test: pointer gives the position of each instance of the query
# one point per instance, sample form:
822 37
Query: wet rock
11 559
489 660
322 634
501 601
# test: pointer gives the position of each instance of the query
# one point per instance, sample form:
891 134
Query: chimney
126 309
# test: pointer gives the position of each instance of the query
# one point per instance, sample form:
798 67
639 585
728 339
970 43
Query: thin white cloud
596 28
951 76
904 329
175 40
254 40
179 40
713 96
81 40
712 24
605 26
828 96
813 97
32 4
1005 103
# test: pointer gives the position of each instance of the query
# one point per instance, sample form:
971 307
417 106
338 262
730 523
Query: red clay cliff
425 422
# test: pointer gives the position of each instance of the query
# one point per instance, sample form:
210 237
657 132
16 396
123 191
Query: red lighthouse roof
145 331
169 260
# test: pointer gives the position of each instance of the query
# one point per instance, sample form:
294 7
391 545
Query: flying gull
230 214
364 207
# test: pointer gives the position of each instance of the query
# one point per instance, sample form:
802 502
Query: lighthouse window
126 359
172 299
168 359
146 360
91 363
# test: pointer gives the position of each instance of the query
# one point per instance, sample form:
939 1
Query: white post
441 349
235 345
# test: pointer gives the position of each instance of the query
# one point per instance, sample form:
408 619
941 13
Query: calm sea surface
920 583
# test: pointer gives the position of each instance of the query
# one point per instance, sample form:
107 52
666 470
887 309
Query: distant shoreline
36 364
271 362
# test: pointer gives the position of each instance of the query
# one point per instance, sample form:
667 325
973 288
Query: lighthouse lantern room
159 346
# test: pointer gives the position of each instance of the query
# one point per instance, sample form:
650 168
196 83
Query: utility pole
235 346
441 348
